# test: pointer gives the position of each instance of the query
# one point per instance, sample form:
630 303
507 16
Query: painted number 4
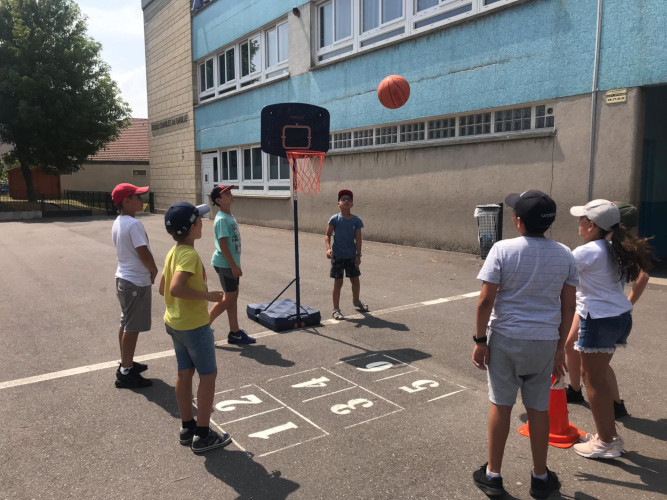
419 385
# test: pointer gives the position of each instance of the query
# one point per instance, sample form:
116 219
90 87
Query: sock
491 475
202 432
543 477
190 424
124 371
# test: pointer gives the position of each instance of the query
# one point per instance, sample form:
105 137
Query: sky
119 26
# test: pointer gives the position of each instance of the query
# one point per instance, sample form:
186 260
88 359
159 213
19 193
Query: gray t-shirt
530 273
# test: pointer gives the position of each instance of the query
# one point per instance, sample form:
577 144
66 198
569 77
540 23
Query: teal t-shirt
225 226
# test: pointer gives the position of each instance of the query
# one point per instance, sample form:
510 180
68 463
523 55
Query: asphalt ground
385 404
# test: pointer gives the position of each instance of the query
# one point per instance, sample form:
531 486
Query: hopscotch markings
446 395
371 419
325 395
292 374
362 366
273 430
250 416
243 402
376 395
306 385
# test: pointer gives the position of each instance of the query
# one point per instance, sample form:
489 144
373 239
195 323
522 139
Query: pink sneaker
593 447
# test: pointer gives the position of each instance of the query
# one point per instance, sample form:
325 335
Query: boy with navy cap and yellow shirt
525 307
186 319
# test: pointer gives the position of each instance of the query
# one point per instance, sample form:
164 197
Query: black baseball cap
536 209
180 216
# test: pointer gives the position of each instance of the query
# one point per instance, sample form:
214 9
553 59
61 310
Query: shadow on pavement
651 471
249 478
162 394
259 353
653 428
370 321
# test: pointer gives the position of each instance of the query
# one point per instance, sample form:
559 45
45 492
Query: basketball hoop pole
296 246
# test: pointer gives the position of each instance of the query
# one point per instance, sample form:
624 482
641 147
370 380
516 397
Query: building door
653 198
209 174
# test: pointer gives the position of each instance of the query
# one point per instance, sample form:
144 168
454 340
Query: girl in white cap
609 258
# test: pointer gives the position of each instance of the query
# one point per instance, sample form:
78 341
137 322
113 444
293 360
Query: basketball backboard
294 126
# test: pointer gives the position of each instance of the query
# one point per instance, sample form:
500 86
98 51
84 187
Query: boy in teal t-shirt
226 261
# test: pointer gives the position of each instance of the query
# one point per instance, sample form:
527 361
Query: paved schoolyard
381 405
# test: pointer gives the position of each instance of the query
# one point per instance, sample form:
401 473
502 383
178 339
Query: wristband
358 255
479 340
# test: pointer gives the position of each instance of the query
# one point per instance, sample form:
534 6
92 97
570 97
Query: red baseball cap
343 192
122 191
217 191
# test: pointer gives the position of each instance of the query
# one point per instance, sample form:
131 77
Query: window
412 132
386 135
342 140
345 27
230 169
254 172
511 120
255 59
215 170
442 129
475 124
544 117
278 168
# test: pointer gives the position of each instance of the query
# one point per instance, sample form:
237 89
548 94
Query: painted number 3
344 409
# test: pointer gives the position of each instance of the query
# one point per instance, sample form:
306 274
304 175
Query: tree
58 104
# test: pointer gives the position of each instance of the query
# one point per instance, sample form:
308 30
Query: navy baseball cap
536 209
182 215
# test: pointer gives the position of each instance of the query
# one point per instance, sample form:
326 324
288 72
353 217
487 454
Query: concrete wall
104 177
175 168
427 196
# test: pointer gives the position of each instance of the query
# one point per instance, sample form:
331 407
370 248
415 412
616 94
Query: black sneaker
131 381
185 436
240 337
619 410
543 488
492 487
574 396
213 440
139 367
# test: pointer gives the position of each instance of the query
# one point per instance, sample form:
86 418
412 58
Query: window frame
261 186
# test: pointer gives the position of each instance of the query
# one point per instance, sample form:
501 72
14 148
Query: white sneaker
617 439
593 447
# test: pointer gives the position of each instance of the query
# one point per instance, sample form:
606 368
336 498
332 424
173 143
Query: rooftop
131 145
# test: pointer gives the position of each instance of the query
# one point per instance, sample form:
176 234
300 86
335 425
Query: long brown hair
632 254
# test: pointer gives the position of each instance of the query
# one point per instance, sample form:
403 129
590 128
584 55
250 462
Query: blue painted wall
538 50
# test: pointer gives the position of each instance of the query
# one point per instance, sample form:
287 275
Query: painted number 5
230 404
419 385
344 409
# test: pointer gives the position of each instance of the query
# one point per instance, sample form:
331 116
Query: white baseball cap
603 213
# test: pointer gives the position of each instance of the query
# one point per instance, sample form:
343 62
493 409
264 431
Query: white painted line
363 388
230 390
291 374
328 394
292 446
399 375
294 411
374 418
267 333
445 395
251 416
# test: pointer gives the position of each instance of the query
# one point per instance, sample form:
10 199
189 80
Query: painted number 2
344 409
420 385
230 404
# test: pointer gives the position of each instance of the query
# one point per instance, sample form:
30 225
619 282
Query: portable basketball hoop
300 133
306 170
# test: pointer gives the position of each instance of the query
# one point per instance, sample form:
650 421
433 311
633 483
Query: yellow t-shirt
182 314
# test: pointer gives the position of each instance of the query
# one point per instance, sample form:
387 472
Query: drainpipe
594 101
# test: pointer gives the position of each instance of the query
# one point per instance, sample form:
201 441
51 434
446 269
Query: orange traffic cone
562 434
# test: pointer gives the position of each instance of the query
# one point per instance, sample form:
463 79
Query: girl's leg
594 367
572 357
613 385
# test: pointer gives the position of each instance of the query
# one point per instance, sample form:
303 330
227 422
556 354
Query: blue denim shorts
194 349
603 334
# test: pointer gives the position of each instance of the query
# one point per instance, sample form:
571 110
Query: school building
565 96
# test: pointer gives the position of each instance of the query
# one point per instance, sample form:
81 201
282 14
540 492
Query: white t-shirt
530 273
600 292
127 234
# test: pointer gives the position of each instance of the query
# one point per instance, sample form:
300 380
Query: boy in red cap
345 254
134 277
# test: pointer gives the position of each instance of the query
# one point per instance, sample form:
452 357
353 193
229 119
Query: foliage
58 103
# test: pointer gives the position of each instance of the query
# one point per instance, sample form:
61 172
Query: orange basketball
393 91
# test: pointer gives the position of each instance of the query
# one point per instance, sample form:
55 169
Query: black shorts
338 265
227 280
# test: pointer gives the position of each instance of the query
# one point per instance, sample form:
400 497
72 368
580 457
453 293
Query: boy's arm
179 288
162 286
357 240
327 239
224 249
147 260
638 287
487 297
568 304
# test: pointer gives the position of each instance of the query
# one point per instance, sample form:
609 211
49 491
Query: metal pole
594 102
296 246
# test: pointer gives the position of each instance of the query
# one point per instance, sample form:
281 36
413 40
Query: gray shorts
135 306
520 364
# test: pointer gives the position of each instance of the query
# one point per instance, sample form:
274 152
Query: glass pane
247 165
245 63
284 168
343 19
215 170
272 48
221 69
283 42
326 25
371 14
254 55
225 167
425 4
209 73
257 163
233 166
273 167
202 78
391 9
230 65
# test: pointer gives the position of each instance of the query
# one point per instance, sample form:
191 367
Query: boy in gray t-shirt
526 307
